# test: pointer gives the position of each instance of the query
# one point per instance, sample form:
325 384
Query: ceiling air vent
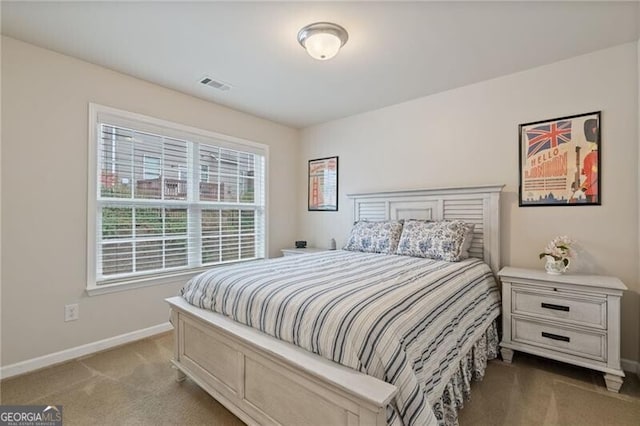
216 84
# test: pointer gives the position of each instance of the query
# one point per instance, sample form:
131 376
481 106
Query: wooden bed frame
266 381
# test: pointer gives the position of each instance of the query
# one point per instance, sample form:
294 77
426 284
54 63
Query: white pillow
374 237
440 240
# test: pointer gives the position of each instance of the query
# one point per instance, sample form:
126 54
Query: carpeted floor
134 385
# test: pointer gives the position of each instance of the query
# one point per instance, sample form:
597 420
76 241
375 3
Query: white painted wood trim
506 315
493 231
476 189
322 386
79 351
131 119
92 191
613 335
433 200
613 382
610 285
630 366
559 356
374 390
557 290
299 251
121 116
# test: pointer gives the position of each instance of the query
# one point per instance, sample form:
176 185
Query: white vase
555 267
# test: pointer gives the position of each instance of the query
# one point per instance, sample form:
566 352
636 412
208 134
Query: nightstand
296 251
570 318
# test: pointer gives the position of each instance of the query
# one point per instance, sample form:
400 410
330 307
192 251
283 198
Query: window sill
140 282
178 277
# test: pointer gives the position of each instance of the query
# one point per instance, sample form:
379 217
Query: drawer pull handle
555 307
555 337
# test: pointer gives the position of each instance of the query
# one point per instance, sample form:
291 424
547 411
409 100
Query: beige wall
45 100
1 201
469 136
638 168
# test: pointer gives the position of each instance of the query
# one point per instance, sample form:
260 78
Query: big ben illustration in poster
560 161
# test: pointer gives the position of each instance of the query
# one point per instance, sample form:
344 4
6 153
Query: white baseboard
72 353
90 348
630 366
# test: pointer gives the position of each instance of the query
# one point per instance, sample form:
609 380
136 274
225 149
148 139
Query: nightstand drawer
575 342
577 310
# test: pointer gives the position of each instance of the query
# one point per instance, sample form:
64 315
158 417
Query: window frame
173 129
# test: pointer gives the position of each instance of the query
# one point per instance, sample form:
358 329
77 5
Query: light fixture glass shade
322 40
322 46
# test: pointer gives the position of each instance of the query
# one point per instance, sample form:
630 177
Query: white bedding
405 320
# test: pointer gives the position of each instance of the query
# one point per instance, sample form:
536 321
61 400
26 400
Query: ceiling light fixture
322 40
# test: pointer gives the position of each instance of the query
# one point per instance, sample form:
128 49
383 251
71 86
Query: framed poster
560 161
323 184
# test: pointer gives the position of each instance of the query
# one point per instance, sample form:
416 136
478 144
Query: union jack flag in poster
548 136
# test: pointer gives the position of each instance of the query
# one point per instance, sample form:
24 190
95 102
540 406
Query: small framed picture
323 184
560 161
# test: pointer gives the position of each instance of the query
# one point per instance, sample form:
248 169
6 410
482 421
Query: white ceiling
396 51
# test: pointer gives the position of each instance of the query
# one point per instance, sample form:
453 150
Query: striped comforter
405 320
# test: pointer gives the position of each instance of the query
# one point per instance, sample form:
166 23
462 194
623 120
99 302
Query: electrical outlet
71 312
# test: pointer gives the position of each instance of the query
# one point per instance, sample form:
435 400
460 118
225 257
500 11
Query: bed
419 358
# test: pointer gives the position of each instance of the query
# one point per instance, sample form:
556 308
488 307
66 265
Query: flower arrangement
558 251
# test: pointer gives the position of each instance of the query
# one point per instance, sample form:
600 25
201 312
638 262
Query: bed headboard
479 205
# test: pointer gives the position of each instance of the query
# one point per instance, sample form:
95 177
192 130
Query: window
166 199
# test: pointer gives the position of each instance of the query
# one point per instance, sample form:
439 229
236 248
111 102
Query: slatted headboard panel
479 205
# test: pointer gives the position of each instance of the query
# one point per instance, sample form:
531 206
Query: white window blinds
168 200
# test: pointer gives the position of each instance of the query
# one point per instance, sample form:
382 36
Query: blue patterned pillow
441 240
374 237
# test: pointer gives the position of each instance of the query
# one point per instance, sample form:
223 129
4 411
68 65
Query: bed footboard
269 382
